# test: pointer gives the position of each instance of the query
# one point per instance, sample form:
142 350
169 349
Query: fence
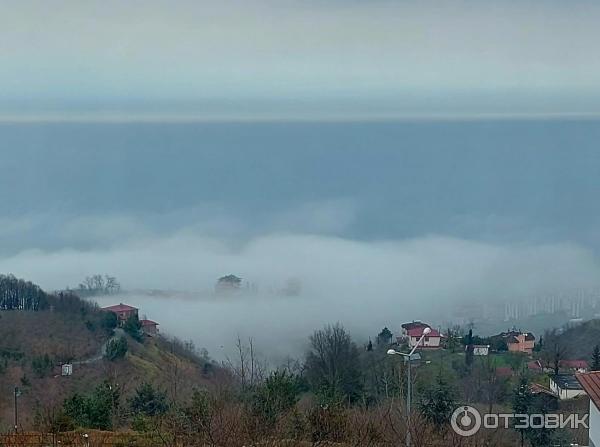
79 439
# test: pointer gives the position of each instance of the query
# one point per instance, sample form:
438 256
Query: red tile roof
120 308
591 385
418 331
148 323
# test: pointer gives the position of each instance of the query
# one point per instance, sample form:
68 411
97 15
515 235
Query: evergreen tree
148 401
384 337
521 403
596 358
438 402
469 348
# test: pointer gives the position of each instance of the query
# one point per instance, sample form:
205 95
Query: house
481 350
517 341
123 311
566 386
590 382
431 340
149 327
574 365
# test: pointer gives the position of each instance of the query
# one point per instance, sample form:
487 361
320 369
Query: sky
235 59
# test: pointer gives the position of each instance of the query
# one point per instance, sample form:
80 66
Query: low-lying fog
364 285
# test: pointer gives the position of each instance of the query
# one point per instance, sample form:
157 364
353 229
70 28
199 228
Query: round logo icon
466 421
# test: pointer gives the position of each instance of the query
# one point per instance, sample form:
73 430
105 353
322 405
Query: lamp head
427 330
391 352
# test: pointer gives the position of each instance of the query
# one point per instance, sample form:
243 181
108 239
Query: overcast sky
339 57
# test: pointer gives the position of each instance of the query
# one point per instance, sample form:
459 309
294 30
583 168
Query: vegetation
99 285
337 392
116 348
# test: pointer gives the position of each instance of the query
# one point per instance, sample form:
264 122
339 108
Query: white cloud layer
365 285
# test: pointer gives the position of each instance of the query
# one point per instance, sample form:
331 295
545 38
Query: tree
116 349
438 403
109 321
469 348
133 327
596 358
521 403
95 410
148 401
384 337
332 364
553 351
275 397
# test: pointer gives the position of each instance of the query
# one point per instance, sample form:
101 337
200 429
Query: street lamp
408 358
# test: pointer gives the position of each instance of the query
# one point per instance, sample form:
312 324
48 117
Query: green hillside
35 340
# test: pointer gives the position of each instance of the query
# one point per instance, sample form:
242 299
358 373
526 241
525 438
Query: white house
591 385
431 340
481 350
566 386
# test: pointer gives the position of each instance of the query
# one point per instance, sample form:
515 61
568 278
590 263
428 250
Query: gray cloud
351 57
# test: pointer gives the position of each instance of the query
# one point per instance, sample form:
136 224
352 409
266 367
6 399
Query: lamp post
17 394
408 358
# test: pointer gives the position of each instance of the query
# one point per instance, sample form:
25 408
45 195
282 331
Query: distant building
228 284
149 327
574 365
431 340
566 386
517 341
123 311
66 369
590 382
481 350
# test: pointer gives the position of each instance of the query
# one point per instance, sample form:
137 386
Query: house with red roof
431 340
123 311
149 327
590 382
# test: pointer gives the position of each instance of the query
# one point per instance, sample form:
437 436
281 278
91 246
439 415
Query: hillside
578 341
65 328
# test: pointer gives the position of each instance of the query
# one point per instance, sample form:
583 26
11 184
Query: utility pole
17 394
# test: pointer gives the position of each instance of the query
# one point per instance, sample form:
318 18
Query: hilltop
40 331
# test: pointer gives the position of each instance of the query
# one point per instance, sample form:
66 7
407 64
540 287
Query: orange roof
591 384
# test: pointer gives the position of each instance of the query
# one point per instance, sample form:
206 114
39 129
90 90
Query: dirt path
102 352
